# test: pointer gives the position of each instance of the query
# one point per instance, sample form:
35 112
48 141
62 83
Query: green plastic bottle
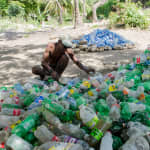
125 111
143 117
11 106
132 100
30 137
67 115
26 125
53 107
146 86
118 95
28 99
79 99
102 108
117 142
104 93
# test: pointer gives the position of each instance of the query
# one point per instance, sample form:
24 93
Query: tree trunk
84 9
78 18
60 12
94 8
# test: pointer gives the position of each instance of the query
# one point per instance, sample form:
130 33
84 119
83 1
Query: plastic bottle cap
98 90
110 75
2 145
117 105
55 138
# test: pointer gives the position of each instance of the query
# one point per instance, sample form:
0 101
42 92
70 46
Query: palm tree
84 8
94 8
55 7
78 17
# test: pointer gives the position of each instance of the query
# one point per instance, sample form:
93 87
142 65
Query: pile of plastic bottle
103 38
110 112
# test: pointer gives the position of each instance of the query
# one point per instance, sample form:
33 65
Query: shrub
106 9
3 7
15 8
129 14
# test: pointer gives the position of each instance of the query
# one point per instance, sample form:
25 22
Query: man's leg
62 64
38 70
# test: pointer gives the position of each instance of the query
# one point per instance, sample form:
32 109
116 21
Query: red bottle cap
98 90
6 128
1 101
110 75
55 138
2 145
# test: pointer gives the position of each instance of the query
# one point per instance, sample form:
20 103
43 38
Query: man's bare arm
78 63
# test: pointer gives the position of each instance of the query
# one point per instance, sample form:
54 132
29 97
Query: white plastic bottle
107 141
88 116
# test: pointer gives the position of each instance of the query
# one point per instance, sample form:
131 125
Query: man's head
66 40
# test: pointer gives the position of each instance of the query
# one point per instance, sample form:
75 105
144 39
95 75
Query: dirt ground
20 51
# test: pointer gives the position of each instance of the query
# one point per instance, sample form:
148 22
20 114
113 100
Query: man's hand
89 70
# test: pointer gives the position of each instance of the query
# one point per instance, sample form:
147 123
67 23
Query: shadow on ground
16 62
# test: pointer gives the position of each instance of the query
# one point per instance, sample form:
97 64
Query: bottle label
86 84
146 76
61 147
90 93
16 112
14 125
92 123
97 134
112 88
69 139
138 60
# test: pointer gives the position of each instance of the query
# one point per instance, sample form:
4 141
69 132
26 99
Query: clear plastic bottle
12 112
7 120
68 139
136 107
137 129
35 81
88 116
107 142
16 143
115 112
137 143
59 146
146 75
3 136
73 130
111 100
51 118
43 134
37 103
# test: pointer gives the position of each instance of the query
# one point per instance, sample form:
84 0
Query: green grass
15 23
30 25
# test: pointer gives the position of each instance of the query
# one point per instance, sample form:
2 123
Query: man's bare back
55 60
